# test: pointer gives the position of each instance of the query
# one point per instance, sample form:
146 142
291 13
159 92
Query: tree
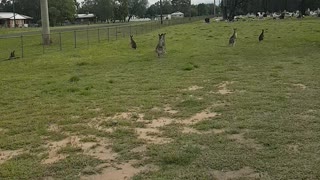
54 14
5 6
120 9
30 9
87 6
77 4
103 10
152 11
167 7
137 7
202 9
64 10
181 5
59 10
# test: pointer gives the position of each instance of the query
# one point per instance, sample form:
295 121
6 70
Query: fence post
108 34
22 50
60 41
75 39
98 35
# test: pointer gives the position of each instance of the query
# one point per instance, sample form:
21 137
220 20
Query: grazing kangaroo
133 43
261 37
233 38
161 46
12 55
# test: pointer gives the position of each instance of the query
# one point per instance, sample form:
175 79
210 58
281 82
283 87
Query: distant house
177 15
164 17
85 18
7 19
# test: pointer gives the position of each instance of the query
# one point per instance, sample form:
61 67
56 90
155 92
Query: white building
85 18
177 15
7 19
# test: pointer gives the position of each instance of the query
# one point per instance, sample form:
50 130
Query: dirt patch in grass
245 173
222 88
152 136
199 117
122 171
95 123
300 86
53 148
151 133
99 149
127 115
139 149
193 88
5 155
158 122
169 109
188 130
53 128
239 138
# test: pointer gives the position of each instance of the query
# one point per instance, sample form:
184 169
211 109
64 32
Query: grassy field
203 111
27 42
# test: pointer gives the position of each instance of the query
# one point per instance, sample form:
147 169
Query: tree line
61 11
230 8
111 10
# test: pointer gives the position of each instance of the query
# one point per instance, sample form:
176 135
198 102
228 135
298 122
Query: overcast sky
192 1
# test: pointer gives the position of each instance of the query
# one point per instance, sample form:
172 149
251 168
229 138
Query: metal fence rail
30 45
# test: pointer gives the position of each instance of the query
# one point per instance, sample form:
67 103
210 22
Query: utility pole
190 11
14 14
161 12
45 22
225 9
214 8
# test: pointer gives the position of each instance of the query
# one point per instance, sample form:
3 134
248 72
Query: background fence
30 44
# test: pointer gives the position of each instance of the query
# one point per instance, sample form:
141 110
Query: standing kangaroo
261 37
133 43
12 55
233 38
161 46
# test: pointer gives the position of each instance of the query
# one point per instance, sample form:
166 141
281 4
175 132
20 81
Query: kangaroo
233 38
161 46
261 37
12 55
133 43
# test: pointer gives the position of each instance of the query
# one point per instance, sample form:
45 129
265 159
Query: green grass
267 106
27 42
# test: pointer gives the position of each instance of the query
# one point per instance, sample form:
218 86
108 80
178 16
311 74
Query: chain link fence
30 45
